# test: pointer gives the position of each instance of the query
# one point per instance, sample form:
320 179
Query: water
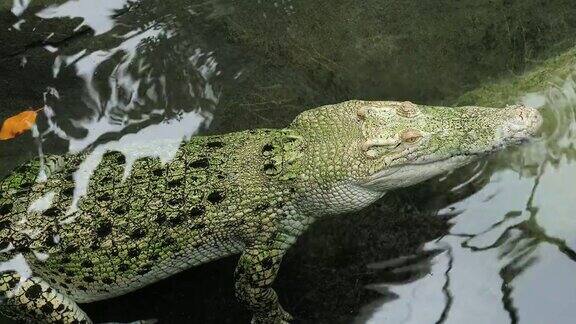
491 243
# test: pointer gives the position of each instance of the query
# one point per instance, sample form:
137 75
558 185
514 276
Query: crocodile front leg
255 273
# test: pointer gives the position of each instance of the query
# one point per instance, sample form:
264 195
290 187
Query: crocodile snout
523 122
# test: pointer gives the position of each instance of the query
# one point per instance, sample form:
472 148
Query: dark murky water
492 243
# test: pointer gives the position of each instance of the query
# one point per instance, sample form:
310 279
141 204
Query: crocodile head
408 143
382 145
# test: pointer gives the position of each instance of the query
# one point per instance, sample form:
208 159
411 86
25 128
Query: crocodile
132 222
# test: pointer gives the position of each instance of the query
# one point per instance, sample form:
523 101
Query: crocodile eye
410 136
406 109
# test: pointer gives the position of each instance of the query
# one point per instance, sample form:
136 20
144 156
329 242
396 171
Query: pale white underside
411 174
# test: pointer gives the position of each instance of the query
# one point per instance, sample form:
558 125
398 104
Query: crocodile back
102 225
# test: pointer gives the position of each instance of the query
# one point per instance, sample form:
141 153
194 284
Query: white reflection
19 265
19 6
43 203
499 264
469 270
98 15
86 66
161 141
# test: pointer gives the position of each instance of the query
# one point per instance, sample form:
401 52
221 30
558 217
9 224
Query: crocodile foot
278 317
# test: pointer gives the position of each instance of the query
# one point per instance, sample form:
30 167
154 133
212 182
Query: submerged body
100 227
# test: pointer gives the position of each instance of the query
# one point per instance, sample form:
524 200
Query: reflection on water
98 16
152 74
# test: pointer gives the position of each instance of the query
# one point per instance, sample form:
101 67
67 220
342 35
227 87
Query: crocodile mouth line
478 154
445 159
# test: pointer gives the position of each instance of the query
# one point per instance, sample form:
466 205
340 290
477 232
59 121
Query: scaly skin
251 192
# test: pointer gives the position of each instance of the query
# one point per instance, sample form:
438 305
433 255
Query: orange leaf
18 124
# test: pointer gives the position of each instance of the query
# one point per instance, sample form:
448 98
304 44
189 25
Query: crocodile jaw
409 174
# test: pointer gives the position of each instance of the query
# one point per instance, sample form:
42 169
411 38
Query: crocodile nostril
522 114
531 116
525 113
524 121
